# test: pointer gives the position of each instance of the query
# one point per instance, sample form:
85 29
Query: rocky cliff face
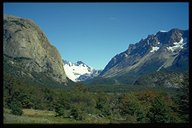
164 50
26 46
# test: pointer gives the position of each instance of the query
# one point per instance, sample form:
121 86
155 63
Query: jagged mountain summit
28 52
79 71
158 52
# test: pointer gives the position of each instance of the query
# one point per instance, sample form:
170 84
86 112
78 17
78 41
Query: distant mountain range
79 71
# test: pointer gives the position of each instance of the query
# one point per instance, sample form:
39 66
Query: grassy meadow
32 116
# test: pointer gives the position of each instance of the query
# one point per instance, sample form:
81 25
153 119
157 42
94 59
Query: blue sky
96 32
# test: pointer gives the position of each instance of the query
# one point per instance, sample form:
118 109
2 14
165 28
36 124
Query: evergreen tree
159 112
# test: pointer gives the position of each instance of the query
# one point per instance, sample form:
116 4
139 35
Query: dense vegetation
87 104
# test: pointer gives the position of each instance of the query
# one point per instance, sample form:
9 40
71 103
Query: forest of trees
144 106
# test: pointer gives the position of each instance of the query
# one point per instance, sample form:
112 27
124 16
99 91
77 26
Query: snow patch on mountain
154 49
177 46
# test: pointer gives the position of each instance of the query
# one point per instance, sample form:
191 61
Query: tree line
147 106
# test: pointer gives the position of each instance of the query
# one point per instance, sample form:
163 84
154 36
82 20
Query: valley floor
32 116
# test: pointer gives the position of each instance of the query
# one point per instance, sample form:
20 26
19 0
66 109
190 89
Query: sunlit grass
13 119
38 113
32 116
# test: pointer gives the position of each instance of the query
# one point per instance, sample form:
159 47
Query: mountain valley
147 83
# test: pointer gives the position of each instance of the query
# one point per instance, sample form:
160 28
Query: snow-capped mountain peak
79 71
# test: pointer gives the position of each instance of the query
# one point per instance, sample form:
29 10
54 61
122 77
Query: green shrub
61 108
131 119
77 113
16 108
159 112
131 106
102 104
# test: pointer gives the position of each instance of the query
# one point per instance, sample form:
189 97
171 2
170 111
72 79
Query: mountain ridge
163 51
162 48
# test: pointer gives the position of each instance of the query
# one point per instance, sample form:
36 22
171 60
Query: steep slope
79 71
163 79
162 51
26 48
